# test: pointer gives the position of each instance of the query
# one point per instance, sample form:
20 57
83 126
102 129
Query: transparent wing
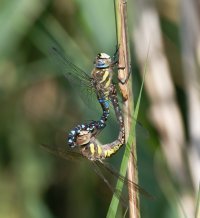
79 79
68 154
99 167
116 175
63 152
116 192
72 72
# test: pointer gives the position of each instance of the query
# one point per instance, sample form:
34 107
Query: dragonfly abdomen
101 80
95 151
104 102
82 133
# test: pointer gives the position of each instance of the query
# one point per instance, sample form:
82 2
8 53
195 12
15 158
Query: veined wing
75 156
97 166
72 72
127 182
63 152
79 79
118 193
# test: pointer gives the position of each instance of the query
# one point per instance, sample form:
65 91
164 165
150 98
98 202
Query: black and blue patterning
101 79
84 135
92 149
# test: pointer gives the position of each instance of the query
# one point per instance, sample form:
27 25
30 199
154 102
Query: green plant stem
128 108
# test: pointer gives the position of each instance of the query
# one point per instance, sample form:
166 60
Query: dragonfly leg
115 56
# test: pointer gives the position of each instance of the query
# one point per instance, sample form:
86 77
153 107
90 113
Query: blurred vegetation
37 104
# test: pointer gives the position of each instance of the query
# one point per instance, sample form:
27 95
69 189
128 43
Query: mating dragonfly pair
83 136
82 139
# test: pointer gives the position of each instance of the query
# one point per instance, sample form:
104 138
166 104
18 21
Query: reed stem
129 115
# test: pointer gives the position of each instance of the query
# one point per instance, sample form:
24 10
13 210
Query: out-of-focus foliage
37 105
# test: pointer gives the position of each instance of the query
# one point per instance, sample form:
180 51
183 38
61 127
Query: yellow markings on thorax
105 75
99 150
92 150
107 83
106 78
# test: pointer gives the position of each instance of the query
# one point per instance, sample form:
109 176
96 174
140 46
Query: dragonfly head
102 61
83 137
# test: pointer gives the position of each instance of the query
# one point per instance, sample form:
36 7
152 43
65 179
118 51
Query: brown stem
128 106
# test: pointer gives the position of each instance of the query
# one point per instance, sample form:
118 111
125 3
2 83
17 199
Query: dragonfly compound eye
103 56
102 61
83 138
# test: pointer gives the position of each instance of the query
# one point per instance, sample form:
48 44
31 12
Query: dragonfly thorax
102 61
92 151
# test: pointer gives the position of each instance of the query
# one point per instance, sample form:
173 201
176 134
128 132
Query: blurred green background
37 104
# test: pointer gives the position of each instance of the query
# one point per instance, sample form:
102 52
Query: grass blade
131 139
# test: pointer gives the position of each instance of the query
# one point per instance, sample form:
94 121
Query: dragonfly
82 139
95 151
101 83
